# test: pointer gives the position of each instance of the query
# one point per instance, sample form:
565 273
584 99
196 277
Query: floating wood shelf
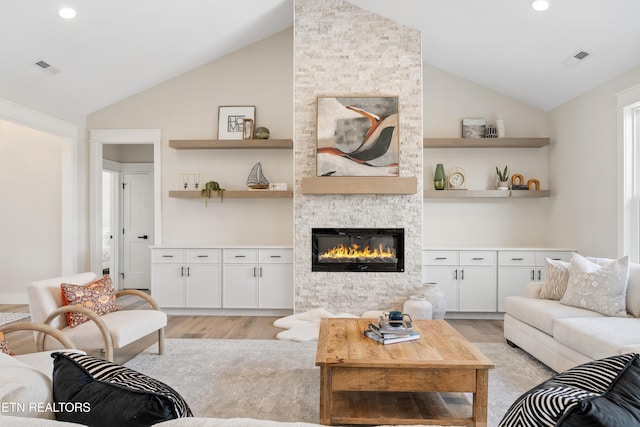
193 144
485 142
454 194
235 194
360 185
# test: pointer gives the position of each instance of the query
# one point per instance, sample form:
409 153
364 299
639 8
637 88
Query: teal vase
438 178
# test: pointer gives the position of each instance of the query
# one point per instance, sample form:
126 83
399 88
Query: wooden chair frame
104 330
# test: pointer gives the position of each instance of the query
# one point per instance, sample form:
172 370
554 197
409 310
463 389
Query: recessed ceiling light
540 5
67 13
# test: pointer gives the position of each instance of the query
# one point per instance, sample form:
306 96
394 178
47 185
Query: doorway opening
125 222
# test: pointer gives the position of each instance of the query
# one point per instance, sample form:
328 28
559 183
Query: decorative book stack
386 332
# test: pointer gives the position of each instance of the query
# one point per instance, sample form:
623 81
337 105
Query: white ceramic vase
418 308
437 298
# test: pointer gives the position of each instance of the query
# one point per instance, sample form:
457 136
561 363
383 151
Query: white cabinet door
204 286
512 281
168 285
446 278
240 286
477 288
275 286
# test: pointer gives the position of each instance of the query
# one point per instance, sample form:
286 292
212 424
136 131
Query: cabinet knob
240 256
276 256
440 258
167 256
517 259
203 256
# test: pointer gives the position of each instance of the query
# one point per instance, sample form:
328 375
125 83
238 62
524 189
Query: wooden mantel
360 185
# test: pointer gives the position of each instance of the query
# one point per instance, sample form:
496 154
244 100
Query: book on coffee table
390 338
396 327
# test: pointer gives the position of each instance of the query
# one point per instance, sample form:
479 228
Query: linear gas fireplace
357 249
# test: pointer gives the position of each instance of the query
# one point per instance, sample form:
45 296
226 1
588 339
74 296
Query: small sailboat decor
256 179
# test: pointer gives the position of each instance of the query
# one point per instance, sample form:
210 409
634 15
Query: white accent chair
109 331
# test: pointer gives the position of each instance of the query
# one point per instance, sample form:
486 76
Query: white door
137 205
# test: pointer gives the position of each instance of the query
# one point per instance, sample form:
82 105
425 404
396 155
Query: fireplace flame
354 251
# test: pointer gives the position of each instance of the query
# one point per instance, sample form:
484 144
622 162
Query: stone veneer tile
343 50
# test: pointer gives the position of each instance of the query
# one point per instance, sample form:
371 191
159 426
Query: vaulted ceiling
114 49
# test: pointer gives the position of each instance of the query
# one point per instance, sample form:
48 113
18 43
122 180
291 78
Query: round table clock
456 178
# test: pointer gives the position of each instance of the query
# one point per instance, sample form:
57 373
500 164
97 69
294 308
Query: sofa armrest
39 327
148 298
102 327
532 289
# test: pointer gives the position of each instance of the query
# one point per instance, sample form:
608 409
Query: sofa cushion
24 391
599 393
42 360
98 296
598 337
101 393
601 288
125 326
542 313
555 280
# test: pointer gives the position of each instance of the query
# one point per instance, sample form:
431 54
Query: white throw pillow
556 279
601 288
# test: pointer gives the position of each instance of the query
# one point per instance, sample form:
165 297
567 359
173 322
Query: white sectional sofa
563 336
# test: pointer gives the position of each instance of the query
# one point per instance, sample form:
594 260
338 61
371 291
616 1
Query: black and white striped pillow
603 392
92 391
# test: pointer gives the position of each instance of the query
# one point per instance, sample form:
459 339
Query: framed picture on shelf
231 120
357 136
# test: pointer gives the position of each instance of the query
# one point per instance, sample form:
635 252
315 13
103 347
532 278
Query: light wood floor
230 327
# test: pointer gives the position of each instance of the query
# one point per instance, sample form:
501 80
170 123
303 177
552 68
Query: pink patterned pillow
99 296
4 345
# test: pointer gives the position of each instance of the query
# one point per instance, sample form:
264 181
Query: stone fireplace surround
339 50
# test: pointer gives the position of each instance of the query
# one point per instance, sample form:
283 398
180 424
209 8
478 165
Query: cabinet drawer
167 255
556 255
477 258
516 258
195 256
439 257
275 256
240 256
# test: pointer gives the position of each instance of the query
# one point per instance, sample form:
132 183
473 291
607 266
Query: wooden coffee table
414 382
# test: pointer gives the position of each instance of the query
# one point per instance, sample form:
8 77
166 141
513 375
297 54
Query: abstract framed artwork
231 120
357 136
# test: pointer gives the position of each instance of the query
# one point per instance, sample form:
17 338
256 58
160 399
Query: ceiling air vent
46 67
576 58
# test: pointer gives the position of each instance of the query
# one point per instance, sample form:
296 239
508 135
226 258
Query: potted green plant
503 178
210 187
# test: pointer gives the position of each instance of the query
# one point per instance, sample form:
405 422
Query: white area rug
6 317
278 380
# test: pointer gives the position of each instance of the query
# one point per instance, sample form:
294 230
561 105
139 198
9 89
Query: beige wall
482 222
584 162
31 188
186 107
